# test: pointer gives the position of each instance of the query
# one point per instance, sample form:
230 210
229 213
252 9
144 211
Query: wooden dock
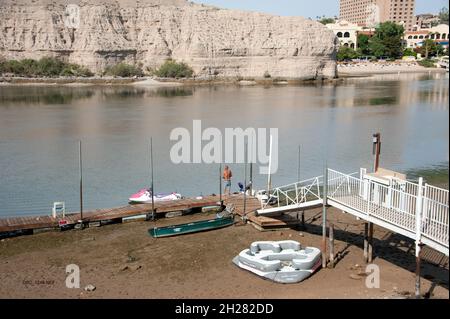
102 215
261 223
31 224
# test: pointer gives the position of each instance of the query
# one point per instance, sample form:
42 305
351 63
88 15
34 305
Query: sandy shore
122 261
370 68
80 82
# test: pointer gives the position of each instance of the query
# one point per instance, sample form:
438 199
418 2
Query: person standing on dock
227 174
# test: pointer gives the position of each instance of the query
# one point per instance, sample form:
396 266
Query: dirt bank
122 261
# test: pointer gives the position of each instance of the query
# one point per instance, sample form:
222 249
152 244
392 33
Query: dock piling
418 265
303 219
331 245
370 242
366 242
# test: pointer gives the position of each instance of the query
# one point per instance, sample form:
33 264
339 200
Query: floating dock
103 216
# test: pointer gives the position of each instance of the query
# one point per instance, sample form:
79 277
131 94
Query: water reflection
437 175
42 95
171 92
333 121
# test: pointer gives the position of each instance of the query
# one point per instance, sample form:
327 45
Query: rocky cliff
213 41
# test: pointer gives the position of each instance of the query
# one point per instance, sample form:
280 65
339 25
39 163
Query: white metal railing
435 216
422 210
295 193
419 211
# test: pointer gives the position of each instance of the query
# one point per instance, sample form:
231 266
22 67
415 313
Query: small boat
264 198
193 227
280 261
144 196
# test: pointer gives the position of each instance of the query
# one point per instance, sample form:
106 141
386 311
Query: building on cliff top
371 12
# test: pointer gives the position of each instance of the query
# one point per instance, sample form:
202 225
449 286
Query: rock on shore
224 43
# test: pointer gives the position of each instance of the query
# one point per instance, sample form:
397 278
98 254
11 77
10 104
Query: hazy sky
308 8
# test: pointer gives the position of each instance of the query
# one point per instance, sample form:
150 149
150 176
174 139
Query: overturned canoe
193 227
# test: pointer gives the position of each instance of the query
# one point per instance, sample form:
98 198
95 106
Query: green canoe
193 227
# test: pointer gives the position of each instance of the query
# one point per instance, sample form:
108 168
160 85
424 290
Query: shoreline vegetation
51 71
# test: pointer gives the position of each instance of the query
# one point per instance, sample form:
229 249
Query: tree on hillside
363 44
327 20
430 48
387 40
443 15
346 53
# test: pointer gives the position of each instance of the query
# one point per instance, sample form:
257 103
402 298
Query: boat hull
188 228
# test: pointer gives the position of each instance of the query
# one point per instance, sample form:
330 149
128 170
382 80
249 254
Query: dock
31 223
418 211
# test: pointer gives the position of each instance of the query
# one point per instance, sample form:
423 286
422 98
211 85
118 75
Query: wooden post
331 245
324 218
376 151
370 241
303 219
366 244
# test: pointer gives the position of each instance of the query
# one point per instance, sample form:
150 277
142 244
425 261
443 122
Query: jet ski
144 196
265 199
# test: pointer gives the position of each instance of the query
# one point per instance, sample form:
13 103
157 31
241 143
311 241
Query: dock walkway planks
35 222
22 223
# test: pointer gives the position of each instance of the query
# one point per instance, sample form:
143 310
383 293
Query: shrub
76 70
346 53
427 63
410 52
172 69
50 67
124 70
267 75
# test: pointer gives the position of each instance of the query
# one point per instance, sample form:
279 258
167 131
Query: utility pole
220 185
245 178
298 167
152 183
80 165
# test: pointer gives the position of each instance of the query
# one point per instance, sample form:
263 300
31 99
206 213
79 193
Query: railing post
419 207
418 235
324 218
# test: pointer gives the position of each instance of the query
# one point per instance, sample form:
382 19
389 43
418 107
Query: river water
40 128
